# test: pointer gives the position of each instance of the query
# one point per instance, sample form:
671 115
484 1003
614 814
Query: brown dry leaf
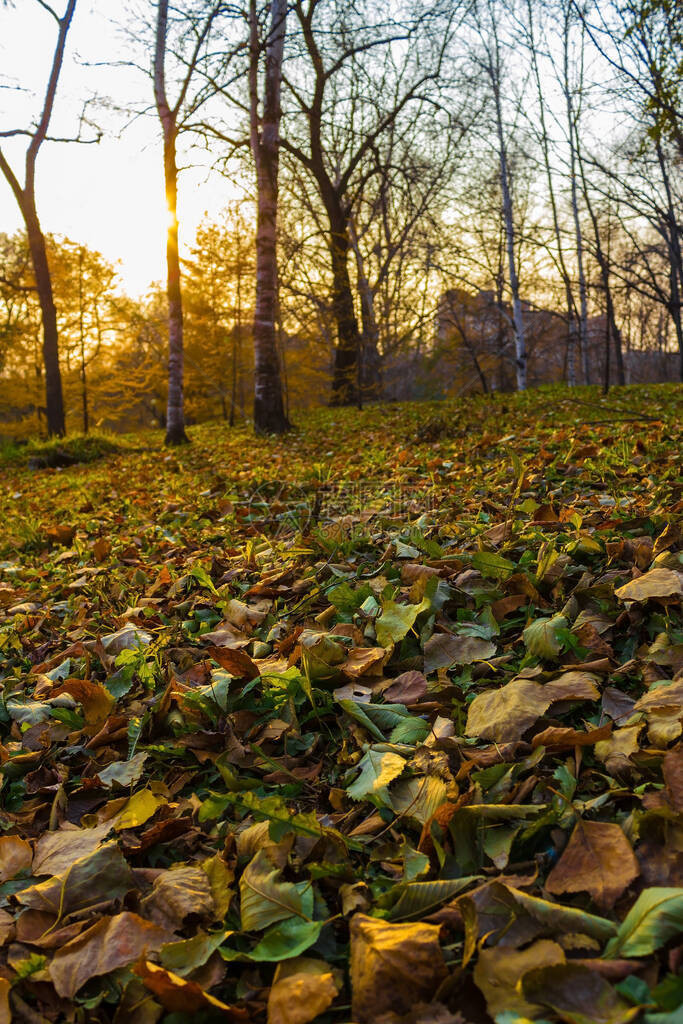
664 726
111 943
179 995
15 856
444 650
499 969
423 1013
35 928
177 893
7 929
656 583
364 661
100 876
503 715
663 695
598 859
615 753
576 993
672 770
392 966
5 1009
406 688
557 736
101 548
573 686
302 989
236 662
56 851
94 698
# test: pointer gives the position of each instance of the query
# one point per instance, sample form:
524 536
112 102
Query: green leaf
286 940
655 917
187 955
396 620
202 577
264 899
347 600
495 566
377 771
541 637
418 898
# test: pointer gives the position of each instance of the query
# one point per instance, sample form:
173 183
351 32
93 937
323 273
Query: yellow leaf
302 989
139 809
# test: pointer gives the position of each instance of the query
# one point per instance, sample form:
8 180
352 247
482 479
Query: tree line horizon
528 151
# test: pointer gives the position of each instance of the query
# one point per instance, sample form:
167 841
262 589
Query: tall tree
195 23
492 63
25 195
269 412
355 74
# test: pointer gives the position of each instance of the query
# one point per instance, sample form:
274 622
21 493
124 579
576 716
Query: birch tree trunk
269 412
508 217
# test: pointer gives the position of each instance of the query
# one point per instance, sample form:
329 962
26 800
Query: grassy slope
579 486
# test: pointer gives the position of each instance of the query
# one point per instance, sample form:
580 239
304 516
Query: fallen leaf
505 714
672 770
655 917
302 989
499 969
236 662
264 899
407 688
578 995
95 878
142 806
598 859
541 637
443 650
55 852
94 698
657 583
380 954
5 1008
111 943
178 995
15 855
378 769
178 892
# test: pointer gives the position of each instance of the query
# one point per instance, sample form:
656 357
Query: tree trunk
175 413
26 200
269 413
673 233
54 401
345 374
518 319
370 365
572 136
604 264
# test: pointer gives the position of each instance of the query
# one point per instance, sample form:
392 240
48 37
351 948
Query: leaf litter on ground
307 729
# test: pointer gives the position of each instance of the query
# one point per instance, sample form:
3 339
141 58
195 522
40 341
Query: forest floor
376 722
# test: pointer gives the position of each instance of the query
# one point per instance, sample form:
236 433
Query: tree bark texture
269 412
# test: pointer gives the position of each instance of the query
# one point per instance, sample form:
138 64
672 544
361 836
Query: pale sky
109 196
